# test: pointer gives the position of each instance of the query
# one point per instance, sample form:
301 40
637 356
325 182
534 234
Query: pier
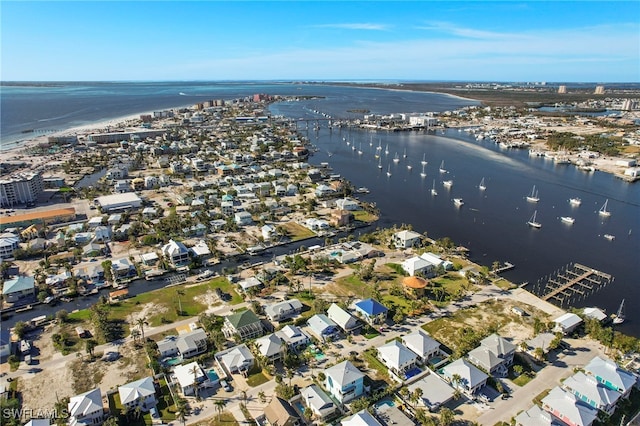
570 284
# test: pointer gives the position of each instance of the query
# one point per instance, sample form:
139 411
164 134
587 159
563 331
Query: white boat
423 173
533 196
442 169
360 150
404 155
396 158
389 170
458 202
409 167
380 164
567 219
603 210
575 201
363 190
447 183
610 237
618 317
379 147
533 223
424 159
433 189
482 186
386 150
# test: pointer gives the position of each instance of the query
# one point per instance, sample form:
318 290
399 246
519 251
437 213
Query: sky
576 41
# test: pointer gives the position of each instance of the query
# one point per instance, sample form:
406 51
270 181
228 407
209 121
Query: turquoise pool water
385 403
172 361
435 360
213 376
299 406
319 357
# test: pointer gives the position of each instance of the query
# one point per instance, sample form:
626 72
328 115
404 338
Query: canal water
493 223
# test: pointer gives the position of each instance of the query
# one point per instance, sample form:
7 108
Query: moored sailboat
618 317
567 219
442 169
424 159
389 170
423 173
396 158
482 186
603 210
433 189
533 196
533 222
575 201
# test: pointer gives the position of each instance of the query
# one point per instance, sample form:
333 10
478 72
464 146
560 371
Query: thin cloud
367 26
452 29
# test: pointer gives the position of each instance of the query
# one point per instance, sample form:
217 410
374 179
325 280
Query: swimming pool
213 376
413 372
172 361
299 406
435 360
385 403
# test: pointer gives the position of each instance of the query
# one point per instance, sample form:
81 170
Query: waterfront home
9 243
347 204
117 295
235 360
495 355
470 378
316 400
372 311
406 239
415 287
279 412
141 393
201 249
86 408
189 376
122 268
271 347
361 418
568 408
249 283
18 288
344 382
589 390
186 345
284 310
323 327
423 345
176 253
536 416
323 191
245 324
416 265
268 231
397 357
567 323
595 313
435 391
607 372
347 322
295 339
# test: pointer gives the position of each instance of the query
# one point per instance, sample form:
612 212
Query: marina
576 281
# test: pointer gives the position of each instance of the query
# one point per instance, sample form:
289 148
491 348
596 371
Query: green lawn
364 216
524 378
257 379
298 232
354 285
373 362
228 288
167 411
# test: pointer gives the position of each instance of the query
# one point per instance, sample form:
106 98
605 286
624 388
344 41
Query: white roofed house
536 416
344 381
361 418
422 345
295 339
235 360
495 355
347 322
189 376
607 372
589 390
470 378
86 408
122 268
568 408
397 357
406 239
323 327
284 310
417 265
271 347
243 218
318 402
567 323
175 253
141 393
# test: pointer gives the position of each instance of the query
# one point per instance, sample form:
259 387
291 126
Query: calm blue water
492 224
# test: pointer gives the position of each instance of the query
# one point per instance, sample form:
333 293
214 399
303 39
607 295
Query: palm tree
220 403
417 395
446 416
181 410
142 321
194 370
262 397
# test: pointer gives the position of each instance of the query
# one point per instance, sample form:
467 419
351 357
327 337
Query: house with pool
344 382
424 346
399 359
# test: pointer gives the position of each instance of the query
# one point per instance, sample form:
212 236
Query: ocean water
492 224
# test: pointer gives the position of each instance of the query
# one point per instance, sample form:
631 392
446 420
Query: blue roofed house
371 311
18 288
344 382
607 372
323 327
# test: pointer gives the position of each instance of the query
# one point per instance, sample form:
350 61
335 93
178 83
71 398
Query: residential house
397 357
244 324
271 347
189 376
86 408
316 400
280 413
186 345
536 416
102 233
175 253
323 327
18 288
495 355
595 313
5 343
568 408
542 341
122 268
141 393
567 323
8 244
243 218
406 239
250 283
435 391
589 390
470 378
607 372
268 231
347 204
416 265
295 339
372 311
235 360
347 322
284 310
344 382
361 418
423 345
93 272
323 191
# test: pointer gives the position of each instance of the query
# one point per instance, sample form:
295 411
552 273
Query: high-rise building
21 188
562 89
599 90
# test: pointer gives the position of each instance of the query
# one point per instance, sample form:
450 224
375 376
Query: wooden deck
575 281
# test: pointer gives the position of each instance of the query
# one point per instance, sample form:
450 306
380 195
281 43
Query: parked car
111 356
225 385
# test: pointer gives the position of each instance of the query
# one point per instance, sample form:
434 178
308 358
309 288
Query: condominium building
21 188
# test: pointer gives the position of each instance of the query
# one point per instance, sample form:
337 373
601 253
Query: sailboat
533 196
396 158
380 164
423 173
442 169
603 210
532 222
386 150
360 150
447 183
433 189
389 170
379 147
409 167
618 317
482 186
424 159
404 155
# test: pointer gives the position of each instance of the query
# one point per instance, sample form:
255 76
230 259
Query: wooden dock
574 282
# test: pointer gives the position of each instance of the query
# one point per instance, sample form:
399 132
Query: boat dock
574 282
506 266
